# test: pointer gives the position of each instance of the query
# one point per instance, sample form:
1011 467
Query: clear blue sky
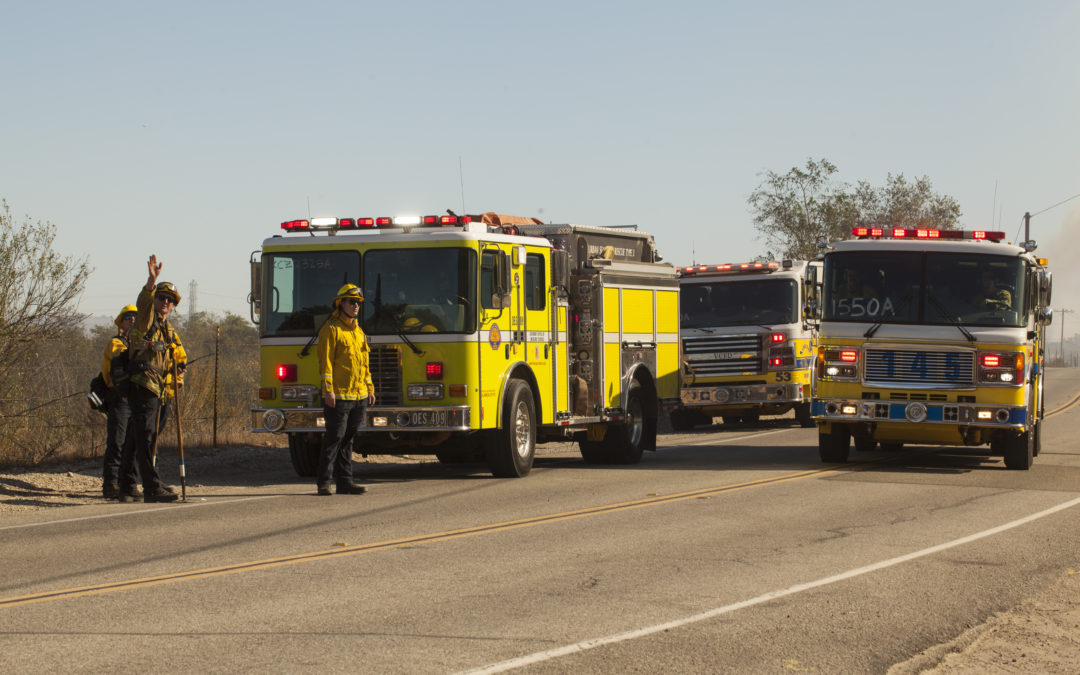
191 130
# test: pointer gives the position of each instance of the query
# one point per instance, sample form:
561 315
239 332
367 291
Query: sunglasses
351 301
130 315
166 298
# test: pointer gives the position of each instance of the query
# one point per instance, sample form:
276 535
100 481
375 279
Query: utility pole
1063 312
193 288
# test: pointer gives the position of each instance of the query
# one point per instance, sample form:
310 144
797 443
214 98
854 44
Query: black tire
304 449
892 446
751 418
625 442
1019 451
802 415
833 447
513 446
732 420
1037 431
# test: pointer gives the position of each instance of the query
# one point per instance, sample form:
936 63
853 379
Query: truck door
500 320
536 304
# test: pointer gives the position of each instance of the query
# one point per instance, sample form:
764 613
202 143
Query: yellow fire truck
747 342
489 334
932 337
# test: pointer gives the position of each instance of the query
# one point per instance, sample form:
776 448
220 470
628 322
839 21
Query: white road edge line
584 645
131 513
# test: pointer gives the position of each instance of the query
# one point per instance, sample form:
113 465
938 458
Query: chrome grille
385 365
919 367
724 355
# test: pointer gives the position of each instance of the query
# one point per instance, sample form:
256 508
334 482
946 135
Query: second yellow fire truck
932 337
489 334
747 342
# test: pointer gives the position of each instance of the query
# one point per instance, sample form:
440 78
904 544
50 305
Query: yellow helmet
413 324
166 288
128 309
348 291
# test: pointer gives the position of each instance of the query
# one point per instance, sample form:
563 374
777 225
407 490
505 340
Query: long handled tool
157 425
179 429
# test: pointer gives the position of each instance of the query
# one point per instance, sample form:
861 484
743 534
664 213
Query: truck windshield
731 303
302 286
936 288
420 290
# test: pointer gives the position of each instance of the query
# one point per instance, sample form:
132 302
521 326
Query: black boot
162 493
350 489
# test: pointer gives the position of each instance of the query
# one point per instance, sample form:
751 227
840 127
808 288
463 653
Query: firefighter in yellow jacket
154 349
119 433
347 390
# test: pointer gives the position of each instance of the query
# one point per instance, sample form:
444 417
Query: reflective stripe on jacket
343 359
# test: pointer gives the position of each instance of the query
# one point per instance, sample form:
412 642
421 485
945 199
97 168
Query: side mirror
500 295
255 296
560 263
1045 316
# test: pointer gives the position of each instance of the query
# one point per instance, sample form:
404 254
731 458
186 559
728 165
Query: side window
535 297
487 279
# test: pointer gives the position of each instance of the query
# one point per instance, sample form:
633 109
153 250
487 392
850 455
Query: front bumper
378 418
740 396
990 415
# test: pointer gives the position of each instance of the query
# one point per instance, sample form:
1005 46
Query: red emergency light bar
335 224
728 268
923 233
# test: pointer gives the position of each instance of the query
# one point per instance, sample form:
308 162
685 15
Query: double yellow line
344 551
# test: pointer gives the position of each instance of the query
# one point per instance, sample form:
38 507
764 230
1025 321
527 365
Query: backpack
98 394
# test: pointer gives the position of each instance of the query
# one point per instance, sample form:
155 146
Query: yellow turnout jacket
343 359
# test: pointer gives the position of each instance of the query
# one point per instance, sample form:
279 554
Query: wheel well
522 372
648 390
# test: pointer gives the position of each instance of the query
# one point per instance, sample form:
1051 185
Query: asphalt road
728 550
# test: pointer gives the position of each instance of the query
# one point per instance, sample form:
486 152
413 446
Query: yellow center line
1063 408
343 551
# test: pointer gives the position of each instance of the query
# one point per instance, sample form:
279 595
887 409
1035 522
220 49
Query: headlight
424 392
298 392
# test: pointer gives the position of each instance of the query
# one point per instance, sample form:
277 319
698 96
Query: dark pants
120 434
145 425
335 460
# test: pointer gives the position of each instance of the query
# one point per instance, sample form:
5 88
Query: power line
1028 216
1056 205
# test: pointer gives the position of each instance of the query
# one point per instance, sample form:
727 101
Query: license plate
428 418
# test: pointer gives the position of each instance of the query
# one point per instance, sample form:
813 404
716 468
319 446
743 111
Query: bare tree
38 288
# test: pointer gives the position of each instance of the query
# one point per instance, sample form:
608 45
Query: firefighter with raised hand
119 435
347 390
153 347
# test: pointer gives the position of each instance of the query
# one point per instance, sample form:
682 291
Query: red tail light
849 356
286 372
